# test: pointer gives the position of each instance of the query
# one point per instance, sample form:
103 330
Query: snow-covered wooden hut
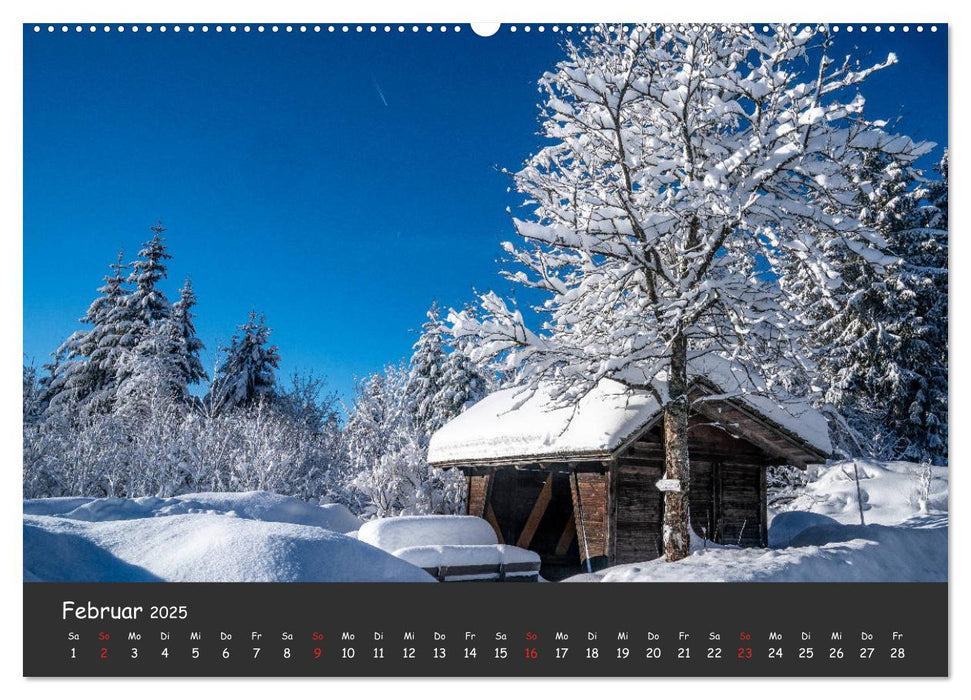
577 483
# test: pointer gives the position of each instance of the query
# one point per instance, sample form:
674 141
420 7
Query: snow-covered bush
783 484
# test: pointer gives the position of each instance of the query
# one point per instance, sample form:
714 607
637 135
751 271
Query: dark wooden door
638 515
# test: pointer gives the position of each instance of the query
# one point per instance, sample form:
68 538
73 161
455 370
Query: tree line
125 408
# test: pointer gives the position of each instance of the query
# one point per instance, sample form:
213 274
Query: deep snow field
819 537
259 536
255 536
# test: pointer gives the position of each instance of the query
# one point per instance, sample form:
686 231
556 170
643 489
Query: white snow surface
394 534
517 423
819 536
890 492
252 536
251 505
876 553
435 556
430 555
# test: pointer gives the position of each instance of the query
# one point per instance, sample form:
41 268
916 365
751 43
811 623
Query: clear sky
337 183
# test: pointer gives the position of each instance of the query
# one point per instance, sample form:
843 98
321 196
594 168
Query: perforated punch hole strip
483 30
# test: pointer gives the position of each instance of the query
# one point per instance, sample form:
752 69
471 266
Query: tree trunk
676 466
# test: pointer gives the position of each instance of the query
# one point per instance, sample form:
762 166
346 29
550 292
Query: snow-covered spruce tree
689 169
144 306
880 341
425 375
246 373
190 366
925 250
85 368
152 371
463 384
147 304
31 395
442 381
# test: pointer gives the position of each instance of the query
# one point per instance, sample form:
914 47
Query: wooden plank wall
704 514
589 491
740 509
638 516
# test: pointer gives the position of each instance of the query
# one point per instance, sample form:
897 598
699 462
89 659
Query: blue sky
337 183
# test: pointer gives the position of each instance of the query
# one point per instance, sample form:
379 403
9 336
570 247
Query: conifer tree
881 341
425 375
462 385
85 369
190 366
147 304
246 374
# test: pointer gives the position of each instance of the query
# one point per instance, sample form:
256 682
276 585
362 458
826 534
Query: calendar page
564 349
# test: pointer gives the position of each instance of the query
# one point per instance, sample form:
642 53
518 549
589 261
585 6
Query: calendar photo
558 305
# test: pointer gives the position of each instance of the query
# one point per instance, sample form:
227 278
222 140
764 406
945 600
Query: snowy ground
890 492
819 538
254 536
261 536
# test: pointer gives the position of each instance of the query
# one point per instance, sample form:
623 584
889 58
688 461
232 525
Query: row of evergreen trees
126 408
137 342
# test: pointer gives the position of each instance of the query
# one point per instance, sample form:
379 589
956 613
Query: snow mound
435 556
890 491
200 546
785 526
53 506
341 518
916 551
252 505
393 534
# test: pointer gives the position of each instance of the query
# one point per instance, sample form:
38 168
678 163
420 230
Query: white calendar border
927 11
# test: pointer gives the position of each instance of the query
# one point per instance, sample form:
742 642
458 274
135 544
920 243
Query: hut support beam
566 539
536 514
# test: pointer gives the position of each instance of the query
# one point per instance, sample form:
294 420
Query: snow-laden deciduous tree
689 169
246 373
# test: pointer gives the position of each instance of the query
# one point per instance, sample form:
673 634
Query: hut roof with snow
525 424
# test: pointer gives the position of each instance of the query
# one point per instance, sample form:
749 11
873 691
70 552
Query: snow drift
251 505
252 536
891 492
